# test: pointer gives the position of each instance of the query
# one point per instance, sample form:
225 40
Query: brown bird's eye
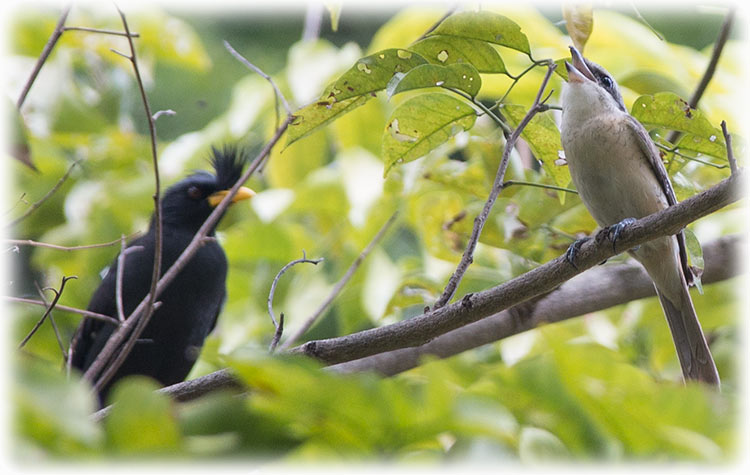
194 192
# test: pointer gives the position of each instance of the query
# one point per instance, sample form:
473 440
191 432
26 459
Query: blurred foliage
602 387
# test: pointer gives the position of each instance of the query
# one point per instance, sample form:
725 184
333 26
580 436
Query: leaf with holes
459 76
668 110
485 26
445 50
421 124
372 73
310 118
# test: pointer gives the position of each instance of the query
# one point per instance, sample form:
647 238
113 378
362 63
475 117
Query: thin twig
99 30
40 291
50 307
721 40
450 12
29 242
46 51
44 198
144 316
241 59
497 187
341 283
508 183
272 293
120 276
730 152
63 308
116 339
277 334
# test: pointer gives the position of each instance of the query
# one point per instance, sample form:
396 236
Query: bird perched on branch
620 176
190 304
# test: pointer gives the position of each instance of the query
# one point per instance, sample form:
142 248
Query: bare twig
29 242
277 334
508 183
63 308
101 31
160 113
730 152
497 187
142 319
44 198
474 307
257 70
40 291
721 40
116 339
50 307
120 274
46 51
280 325
313 21
341 283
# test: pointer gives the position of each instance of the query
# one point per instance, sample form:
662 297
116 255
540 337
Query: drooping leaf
706 146
579 21
485 26
422 123
445 50
316 115
457 76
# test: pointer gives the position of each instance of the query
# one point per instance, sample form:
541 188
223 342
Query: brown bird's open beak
578 71
243 193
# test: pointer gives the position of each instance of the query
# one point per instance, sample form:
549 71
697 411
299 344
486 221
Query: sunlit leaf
579 21
706 146
485 26
372 73
445 50
422 123
543 138
668 110
316 115
463 77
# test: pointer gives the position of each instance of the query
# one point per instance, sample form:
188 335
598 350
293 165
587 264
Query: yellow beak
243 193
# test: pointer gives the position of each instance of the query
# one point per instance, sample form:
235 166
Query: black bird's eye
194 192
606 82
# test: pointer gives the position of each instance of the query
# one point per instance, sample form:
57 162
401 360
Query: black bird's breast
169 345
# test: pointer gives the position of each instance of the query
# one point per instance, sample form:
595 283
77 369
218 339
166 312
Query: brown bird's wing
649 150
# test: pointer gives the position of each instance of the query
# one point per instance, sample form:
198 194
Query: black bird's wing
649 150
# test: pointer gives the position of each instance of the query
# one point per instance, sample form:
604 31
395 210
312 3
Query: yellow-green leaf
459 76
485 26
445 50
579 21
422 123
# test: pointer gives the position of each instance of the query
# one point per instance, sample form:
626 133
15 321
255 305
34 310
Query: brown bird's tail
692 349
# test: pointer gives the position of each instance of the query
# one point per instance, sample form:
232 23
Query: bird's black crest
228 163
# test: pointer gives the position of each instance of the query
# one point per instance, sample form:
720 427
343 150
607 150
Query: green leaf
485 26
695 257
668 110
141 419
372 73
316 115
706 146
543 137
459 76
579 21
422 123
445 50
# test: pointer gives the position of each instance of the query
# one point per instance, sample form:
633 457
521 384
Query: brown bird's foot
572 252
613 232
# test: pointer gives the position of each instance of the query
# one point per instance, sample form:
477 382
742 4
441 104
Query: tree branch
44 198
473 307
64 308
50 307
600 288
46 51
497 187
721 40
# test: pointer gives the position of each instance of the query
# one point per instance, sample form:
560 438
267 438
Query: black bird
190 305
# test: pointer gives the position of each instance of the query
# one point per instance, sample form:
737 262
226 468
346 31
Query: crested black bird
189 306
619 176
